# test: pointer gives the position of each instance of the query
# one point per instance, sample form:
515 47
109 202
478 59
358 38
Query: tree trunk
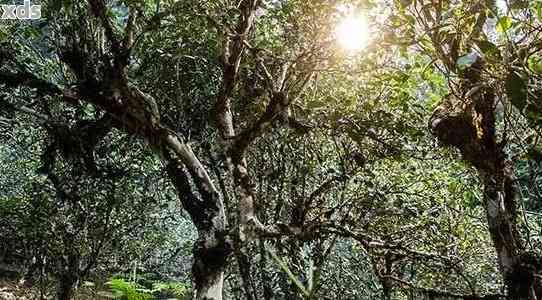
213 247
69 278
471 128
520 268
66 288
208 271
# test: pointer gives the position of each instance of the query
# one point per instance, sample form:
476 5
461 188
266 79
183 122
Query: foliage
328 153
152 289
126 290
176 289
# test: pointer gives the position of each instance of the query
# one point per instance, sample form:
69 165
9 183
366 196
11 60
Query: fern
179 290
125 290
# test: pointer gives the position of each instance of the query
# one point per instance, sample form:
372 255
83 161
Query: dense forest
271 149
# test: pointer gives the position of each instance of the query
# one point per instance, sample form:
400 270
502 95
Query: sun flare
353 33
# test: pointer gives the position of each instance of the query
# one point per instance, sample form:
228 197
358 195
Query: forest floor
14 290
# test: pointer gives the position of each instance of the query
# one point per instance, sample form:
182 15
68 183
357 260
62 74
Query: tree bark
471 128
213 247
135 112
519 267
66 288
69 278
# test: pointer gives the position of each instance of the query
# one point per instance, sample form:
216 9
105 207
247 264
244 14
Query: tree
280 143
468 118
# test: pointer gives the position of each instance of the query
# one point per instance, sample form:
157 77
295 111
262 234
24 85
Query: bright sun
353 33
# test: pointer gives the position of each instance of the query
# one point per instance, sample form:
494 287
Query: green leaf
535 64
504 24
470 199
536 7
489 49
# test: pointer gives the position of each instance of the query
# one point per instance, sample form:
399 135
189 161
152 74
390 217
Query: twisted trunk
212 249
469 124
134 112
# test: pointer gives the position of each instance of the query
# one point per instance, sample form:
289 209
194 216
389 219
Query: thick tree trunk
469 124
213 247
69 278
134 112
520 269
66 288
208 271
